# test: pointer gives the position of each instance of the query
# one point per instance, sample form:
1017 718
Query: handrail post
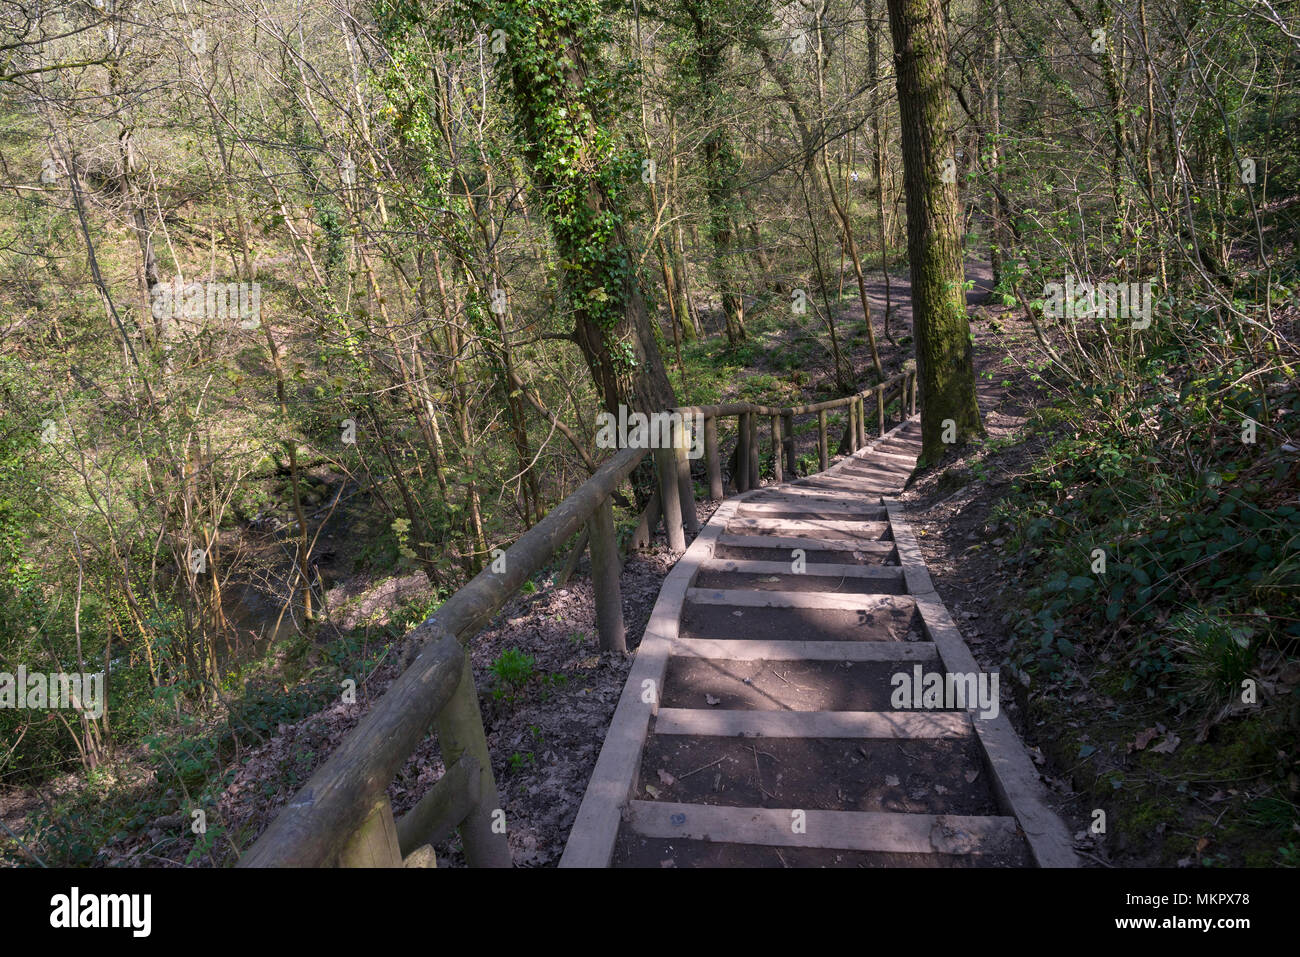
742 452
913 377
822 451
862 422
460 731
787 432
604 578
754 471
375 843
686 485
670 501
777 450
880 408
712 461
853 425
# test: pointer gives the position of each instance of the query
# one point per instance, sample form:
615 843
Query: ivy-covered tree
565 99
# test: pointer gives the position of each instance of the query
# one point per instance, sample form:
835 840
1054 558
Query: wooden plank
881 831
833 481
905 725
591 840
746 598
746 649
881 573
870 530
863 513
1014 778
793 489
867 547
891 457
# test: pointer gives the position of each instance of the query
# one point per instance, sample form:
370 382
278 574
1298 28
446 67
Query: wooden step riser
847 830
906 725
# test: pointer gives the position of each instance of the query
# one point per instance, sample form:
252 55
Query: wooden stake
670 501
777 451
712 461
604 579
460 731
684 480
375 845
742 453
754 473
787 431
822 452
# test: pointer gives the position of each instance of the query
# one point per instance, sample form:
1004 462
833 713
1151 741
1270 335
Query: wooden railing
342 816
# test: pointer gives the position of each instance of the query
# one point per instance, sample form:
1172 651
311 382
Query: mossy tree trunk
934 243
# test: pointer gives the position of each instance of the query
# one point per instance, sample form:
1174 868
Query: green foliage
513 670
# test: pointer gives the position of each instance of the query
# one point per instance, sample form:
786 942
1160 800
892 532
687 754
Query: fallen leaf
1168 745
971 776
1143 739
653 791
712 700
666 778
891 780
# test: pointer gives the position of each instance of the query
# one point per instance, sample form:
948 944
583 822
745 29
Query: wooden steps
809 754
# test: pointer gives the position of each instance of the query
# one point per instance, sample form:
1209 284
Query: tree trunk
934 244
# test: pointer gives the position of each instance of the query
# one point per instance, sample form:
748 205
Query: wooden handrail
739 408
338 798
342 814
